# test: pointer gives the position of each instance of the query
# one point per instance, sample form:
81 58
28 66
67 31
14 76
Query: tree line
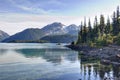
100 33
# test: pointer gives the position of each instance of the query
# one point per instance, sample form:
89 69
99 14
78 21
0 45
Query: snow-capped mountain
51 29
54 28
72 29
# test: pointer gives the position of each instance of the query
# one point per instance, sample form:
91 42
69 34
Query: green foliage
101 34
100 42
117 39
104 40
109 38
91 44
102 24
84 34
108 27
116 22
90 34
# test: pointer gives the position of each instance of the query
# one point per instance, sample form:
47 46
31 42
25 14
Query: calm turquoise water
49 62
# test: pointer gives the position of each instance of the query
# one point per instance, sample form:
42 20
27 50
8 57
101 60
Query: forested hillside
101 33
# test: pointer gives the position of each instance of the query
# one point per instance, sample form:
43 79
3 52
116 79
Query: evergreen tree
95 34
95 28
89 30
114 24
96 24
118 14
118 19
84 31
80 34
89 26
108 27
102 25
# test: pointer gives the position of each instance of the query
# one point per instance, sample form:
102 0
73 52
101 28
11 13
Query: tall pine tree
95 34
80 35
84 31
114 22
108 27
89 30
95 28
118 19
102 25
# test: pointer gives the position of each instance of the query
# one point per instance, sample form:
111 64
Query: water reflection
2 51
93 70
50 55
56 63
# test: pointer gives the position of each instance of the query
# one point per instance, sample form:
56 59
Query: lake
35 61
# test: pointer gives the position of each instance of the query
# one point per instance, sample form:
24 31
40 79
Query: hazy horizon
17 15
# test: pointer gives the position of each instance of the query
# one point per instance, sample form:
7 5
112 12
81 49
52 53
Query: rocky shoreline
107 55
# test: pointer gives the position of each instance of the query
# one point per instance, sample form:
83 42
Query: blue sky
57 7
17 15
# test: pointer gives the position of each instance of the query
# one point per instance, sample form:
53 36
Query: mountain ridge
55 28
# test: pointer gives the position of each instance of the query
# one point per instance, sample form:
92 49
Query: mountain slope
3 35
28 34
66 38
54 28
72 29
51 29
36 34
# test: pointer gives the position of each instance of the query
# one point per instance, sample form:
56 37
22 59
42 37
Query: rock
110 53
118 56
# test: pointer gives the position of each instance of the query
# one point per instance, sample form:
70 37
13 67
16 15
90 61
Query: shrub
101 42
117 39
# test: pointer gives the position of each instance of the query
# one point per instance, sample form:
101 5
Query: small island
101 40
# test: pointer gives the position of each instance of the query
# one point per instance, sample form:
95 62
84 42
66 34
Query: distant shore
107 55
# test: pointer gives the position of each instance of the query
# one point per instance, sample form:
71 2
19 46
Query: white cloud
38 7
34 10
